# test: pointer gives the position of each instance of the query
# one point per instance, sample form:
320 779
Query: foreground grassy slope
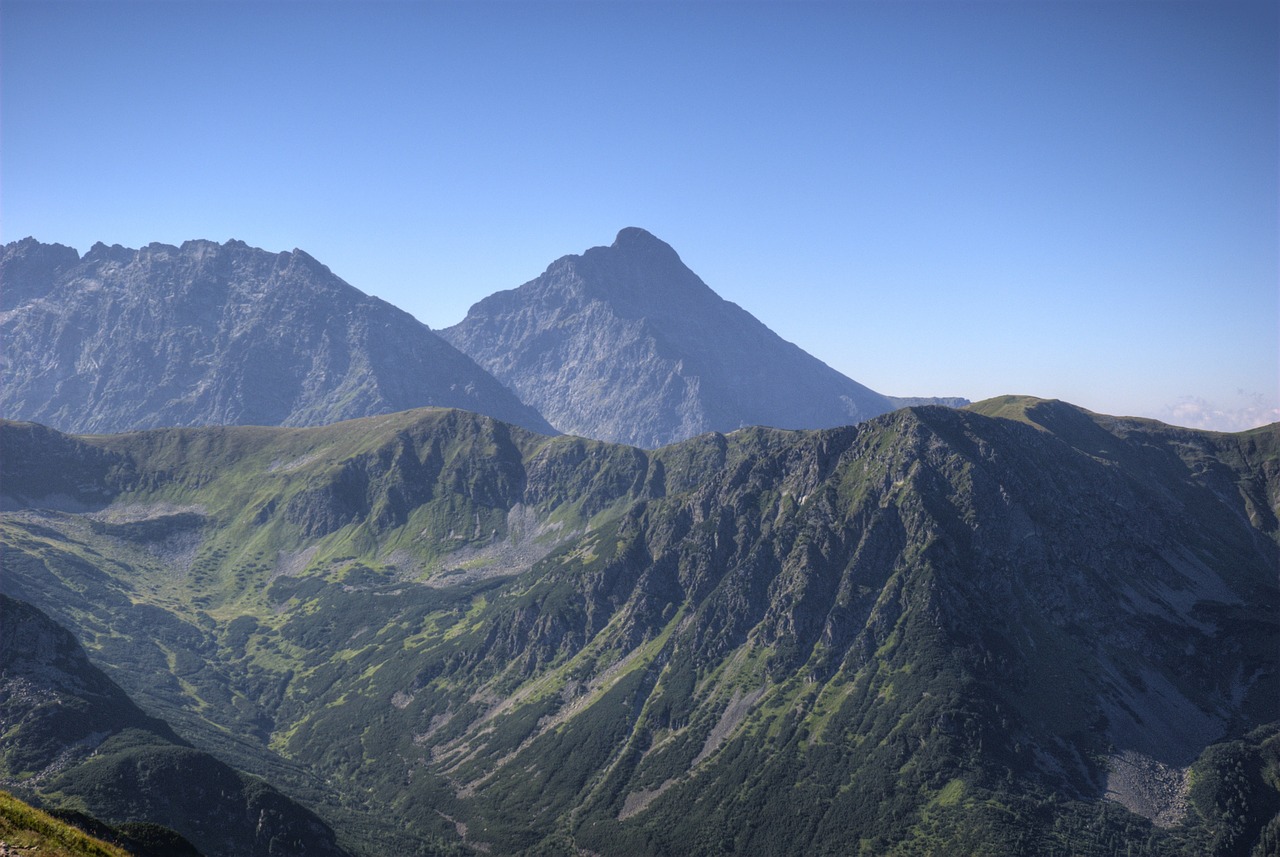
28 830
936 631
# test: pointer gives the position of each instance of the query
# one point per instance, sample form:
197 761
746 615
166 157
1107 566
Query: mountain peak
625 343
27 267
634 236
633 239
100 253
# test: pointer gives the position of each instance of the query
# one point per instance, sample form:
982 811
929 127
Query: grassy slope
39 834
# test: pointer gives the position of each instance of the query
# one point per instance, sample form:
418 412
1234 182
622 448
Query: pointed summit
625 343
635 235
634 238
640 262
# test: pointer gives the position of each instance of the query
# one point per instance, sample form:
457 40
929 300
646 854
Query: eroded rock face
624 343
207 334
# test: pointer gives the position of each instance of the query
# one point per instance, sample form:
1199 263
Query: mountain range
622 343
1016 628
209 334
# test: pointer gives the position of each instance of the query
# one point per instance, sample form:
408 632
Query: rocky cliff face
1017 629
215 334
624 343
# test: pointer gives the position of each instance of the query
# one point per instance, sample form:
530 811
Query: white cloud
1245 411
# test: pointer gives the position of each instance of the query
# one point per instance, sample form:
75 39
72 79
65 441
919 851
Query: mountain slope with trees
73 736
1020 628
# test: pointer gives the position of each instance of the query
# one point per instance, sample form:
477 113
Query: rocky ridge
201 334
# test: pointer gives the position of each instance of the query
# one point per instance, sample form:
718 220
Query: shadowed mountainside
1020 628
73 735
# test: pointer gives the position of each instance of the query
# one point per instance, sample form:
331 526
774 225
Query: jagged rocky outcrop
204 334
71 733
626 344
1019 628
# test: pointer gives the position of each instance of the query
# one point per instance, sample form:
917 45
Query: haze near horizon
1069 200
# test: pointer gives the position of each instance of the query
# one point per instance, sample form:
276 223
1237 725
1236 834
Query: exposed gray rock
624 343
31 269
204 333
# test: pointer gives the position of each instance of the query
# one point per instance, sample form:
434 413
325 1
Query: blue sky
1072 200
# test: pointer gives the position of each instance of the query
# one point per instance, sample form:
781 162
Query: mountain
215 334
1020 628
73 734
626 344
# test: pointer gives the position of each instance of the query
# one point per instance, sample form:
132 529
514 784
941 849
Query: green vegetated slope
1020 629
73 737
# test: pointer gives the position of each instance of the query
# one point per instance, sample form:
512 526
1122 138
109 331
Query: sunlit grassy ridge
27 830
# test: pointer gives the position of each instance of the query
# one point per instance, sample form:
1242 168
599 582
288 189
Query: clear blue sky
1072 200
